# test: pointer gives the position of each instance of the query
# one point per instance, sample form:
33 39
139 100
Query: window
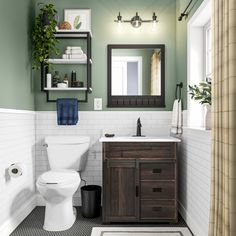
199 58
208 50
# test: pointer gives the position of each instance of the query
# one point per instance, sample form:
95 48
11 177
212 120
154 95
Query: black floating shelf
69 34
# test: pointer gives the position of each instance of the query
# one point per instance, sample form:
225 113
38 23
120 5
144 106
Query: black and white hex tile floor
33 225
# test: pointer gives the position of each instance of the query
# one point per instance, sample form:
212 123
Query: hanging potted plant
44 39
202 94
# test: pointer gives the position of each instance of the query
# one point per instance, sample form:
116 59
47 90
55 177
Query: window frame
197 28
207 51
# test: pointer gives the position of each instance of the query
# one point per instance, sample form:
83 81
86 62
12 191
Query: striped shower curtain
223 189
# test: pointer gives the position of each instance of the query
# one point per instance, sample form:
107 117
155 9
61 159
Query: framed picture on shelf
80 19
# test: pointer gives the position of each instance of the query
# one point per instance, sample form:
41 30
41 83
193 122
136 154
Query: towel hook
178 89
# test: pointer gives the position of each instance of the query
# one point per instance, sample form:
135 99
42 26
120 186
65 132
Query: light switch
97 104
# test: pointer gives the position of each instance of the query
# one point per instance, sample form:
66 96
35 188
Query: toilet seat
59 177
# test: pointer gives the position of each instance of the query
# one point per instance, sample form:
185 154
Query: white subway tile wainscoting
22 141
194 179
17 145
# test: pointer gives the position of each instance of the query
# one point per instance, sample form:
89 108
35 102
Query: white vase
207 117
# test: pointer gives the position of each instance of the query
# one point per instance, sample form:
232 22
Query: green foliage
77 24
44 39
201 93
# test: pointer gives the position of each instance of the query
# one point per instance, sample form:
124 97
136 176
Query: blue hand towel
67 111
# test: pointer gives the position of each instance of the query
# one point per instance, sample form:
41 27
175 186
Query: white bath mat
140 231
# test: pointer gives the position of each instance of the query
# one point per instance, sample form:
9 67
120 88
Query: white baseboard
11 224
193 226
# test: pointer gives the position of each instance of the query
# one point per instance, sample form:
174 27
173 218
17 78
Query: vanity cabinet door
121 185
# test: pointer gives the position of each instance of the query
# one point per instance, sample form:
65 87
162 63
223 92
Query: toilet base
59 216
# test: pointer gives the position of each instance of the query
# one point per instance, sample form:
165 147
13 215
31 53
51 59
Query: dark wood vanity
139 181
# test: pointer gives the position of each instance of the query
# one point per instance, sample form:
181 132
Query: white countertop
161 139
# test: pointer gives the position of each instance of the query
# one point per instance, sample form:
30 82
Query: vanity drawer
157 171
139 150
157 189
157 210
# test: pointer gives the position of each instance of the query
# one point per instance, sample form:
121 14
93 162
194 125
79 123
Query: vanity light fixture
136 21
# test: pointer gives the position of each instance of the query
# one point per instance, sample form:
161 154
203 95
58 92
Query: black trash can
91 200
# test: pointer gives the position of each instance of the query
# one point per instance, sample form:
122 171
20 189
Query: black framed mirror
136 75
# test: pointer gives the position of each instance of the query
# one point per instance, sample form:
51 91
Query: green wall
181 45
16 89
17 84
105 31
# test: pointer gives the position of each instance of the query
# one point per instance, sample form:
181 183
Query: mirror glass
136 72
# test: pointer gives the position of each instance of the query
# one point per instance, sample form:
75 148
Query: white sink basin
140 139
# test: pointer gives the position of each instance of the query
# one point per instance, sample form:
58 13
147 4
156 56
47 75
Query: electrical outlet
97 104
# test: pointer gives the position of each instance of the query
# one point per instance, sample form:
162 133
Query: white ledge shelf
72 33
68 61
66 89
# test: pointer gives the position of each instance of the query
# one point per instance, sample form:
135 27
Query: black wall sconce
136 21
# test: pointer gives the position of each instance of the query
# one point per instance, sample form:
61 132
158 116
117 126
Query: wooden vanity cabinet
139 182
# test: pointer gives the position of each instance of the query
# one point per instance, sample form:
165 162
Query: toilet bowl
57 188
67 156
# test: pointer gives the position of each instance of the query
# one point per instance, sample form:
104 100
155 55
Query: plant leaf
76 22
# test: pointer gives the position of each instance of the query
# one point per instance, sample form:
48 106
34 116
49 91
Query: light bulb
154 25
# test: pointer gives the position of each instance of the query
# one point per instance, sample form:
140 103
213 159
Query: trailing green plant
201 92
44 39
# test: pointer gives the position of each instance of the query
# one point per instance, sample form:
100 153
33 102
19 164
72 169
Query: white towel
74 56
176 124
74 51
73 48
78 56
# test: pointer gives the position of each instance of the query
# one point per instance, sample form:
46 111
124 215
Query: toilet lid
59 177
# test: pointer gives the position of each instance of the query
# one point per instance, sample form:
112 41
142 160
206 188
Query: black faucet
139 125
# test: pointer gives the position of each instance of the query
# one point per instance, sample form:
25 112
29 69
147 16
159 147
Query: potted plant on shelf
202 94
44 39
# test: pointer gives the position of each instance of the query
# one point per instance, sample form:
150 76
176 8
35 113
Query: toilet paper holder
15 170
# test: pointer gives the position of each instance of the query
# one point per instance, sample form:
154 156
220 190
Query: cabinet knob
156 171
157 190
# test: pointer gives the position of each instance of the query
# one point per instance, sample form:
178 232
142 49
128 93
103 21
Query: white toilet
66 155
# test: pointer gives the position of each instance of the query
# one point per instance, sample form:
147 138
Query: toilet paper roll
15 170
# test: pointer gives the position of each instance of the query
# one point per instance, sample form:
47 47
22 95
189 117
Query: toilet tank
67 152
